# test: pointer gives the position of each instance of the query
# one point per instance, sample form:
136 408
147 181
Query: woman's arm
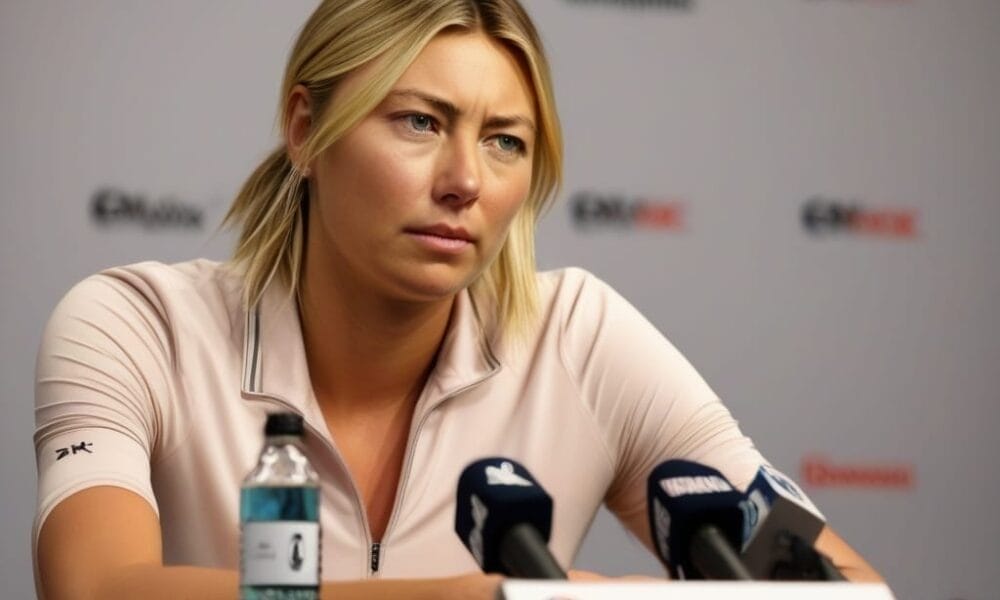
652 405
104 542
847 561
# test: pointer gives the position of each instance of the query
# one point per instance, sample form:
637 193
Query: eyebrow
451 111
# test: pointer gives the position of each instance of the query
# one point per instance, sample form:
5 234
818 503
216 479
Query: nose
458 181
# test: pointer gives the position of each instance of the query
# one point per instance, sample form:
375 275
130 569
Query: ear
298 124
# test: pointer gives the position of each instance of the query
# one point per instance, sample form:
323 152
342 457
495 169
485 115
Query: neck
364 349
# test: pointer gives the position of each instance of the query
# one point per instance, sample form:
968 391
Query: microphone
504 518
781 525
696 521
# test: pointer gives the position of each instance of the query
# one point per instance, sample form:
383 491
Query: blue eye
509 143
420 122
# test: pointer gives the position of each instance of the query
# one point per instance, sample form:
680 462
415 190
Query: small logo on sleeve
74 449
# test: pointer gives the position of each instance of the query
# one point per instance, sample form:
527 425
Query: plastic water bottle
279 518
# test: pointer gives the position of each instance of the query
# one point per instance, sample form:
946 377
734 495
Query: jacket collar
275 367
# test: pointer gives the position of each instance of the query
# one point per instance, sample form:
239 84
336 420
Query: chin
432 284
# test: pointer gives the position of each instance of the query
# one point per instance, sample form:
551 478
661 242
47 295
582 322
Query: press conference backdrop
801 194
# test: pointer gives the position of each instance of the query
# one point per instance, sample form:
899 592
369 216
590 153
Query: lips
443 231
441 239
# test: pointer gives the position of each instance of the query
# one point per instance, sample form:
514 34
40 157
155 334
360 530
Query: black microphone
781 525
504 518
696 521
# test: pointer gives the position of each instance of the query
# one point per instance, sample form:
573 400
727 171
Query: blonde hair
340 37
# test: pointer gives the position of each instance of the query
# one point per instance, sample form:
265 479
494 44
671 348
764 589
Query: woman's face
415 201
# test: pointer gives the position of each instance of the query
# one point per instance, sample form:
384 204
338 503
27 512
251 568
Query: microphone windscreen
774 505
494 495
684 496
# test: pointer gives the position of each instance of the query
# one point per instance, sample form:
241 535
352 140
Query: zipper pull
376 547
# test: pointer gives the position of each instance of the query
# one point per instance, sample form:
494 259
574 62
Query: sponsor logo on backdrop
593 210
823 215
112 206
678 4
820 472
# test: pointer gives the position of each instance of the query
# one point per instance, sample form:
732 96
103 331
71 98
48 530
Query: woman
383 287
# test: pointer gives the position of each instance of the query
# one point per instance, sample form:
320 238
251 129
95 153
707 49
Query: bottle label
280 553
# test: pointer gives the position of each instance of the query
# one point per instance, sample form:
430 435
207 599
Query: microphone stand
713 557
525 554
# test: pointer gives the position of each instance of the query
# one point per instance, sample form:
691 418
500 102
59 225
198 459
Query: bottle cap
283 424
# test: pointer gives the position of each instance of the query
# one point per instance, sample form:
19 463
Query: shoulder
598 333
154 286
580 303
572 289
149 299
594 329
567 277
156 280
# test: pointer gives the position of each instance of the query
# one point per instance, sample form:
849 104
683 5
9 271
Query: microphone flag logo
782 485
479 514
661 525
755 510
505 475
694 485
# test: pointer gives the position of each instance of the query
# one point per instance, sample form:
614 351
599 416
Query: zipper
375 553
358 502
404 474
374 557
